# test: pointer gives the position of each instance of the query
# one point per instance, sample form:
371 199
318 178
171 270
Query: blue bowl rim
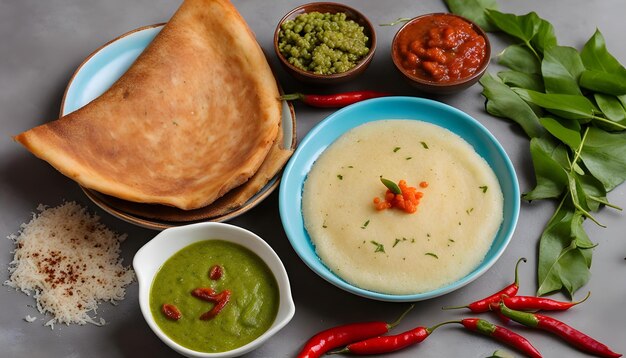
331 277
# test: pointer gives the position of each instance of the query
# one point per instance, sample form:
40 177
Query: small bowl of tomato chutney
441 53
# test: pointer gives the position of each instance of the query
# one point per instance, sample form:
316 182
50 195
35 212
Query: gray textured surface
42 42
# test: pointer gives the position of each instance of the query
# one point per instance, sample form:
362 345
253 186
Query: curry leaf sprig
572 106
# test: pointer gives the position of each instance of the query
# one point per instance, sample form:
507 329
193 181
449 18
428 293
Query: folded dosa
220 208
192 118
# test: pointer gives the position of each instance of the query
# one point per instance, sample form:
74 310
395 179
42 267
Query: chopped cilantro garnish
365 224
431 254
483 188
424 145
396 149
379 247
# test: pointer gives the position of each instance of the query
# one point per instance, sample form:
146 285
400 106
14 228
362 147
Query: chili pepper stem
583 300
516 273
399 319
445 308
431 329
291 97
341 351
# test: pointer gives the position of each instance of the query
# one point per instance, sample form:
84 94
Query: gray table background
41 44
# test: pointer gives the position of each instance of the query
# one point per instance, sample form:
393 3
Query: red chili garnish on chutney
216 272
170 311
204 293
222 299
440 48
407 200
208 294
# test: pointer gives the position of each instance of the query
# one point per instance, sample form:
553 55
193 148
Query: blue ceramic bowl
327 131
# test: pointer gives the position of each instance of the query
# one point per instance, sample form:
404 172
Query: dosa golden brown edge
161 216
192 118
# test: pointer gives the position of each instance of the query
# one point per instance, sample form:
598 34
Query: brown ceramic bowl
333 8
432 86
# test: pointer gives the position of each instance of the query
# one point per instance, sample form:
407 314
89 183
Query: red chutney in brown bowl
441 50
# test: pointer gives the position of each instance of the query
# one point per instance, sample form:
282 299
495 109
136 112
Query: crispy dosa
192 118
222 207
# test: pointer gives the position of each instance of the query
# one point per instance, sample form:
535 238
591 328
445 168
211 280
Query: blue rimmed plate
327 131
93 77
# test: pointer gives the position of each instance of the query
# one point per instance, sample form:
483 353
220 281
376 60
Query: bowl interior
333 8
441 87
320 137
151 257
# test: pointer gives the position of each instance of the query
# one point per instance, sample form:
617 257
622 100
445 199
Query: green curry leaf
605 74
551 178
561 67
604 154
473 10
611 107
594 191
596 57
393 187
565 130
564 105
520 79
523 27
544 39
520 58
562 264
503 102
605 82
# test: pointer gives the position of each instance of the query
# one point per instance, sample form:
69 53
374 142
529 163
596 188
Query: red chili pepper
204 293
170 311
482 305
216 272
339 336
222 299
386 344
501 334
530 303
569 334
334 100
